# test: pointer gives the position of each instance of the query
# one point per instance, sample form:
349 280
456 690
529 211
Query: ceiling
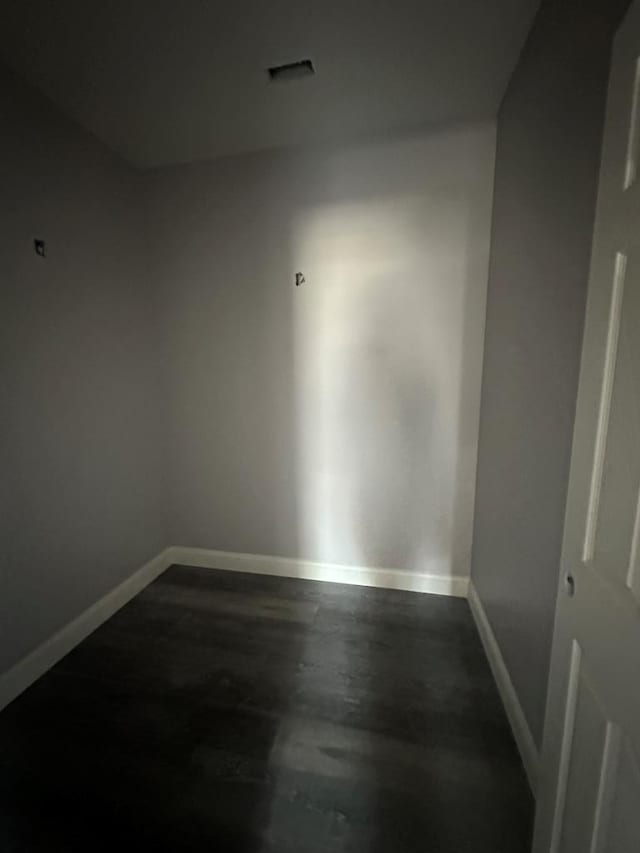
165 81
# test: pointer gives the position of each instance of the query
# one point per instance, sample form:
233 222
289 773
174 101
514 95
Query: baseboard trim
288 567
520 727
41 659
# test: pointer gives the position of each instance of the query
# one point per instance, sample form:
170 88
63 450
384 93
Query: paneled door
589 786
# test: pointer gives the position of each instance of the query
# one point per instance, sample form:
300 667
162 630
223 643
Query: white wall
79 441
337 421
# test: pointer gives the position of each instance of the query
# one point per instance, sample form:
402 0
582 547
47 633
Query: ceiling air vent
292 70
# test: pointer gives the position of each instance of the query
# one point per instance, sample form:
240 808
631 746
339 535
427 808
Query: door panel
615 524
589 796
622 836
587 739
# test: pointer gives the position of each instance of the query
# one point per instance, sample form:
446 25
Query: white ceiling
164 81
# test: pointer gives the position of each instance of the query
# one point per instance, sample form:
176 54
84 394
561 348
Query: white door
589 788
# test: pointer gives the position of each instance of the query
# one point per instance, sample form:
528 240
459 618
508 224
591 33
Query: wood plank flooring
229 712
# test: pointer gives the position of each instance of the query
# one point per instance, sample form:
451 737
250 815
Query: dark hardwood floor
229 712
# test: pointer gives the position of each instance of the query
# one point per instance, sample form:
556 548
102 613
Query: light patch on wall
377 350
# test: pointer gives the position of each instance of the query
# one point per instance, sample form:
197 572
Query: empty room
320 426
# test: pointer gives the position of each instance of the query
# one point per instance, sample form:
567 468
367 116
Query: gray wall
549 137
79 442
337 421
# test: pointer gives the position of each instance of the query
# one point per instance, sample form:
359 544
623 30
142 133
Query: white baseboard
288 567
29 669
521 731
36 663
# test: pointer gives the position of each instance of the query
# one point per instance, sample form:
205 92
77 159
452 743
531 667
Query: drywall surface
79 448
548 150
335 421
